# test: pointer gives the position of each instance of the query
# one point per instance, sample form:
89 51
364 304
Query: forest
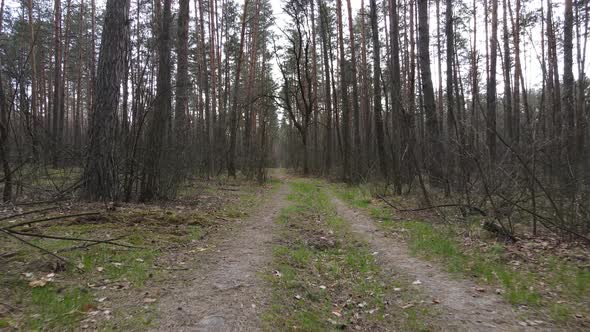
126 119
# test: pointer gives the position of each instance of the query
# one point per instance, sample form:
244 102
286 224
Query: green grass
526 284
57 308
324 270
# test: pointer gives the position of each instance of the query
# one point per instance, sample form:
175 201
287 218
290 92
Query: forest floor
296 254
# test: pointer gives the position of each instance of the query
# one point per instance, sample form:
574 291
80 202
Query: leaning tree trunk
99 177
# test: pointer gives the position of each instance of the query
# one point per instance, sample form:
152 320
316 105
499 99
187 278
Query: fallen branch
73 239
230 189
388 202
466 206
28 212
61 199
544 221
8 233
87 245
36 221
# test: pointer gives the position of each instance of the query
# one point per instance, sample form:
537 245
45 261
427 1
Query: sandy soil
464 307
227 291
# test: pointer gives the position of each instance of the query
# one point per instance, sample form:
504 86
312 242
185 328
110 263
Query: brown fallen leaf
435 301
86 307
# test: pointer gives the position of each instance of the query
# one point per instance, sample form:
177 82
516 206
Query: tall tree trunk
440 102
34 86
396 96
57 83
451 119
208 141
365 102
315 79
182 89
491 88
355 100
474 132
433 140
213 77
4 130
345 131
231 162
581 117
99 181
378 108
517 73
324 30
153 181
569 138
508 116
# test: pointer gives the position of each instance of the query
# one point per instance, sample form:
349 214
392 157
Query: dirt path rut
464 309
226 292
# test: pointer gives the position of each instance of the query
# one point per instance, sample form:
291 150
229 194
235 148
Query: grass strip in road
325 279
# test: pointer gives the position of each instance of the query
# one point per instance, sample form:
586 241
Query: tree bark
508 116
378 108
433 140
569 138
491 88
100 176
153 184
231 162
182 88
356 167
324 29
345 131
57 108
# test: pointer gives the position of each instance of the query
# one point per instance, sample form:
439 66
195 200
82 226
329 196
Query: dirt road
227 292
